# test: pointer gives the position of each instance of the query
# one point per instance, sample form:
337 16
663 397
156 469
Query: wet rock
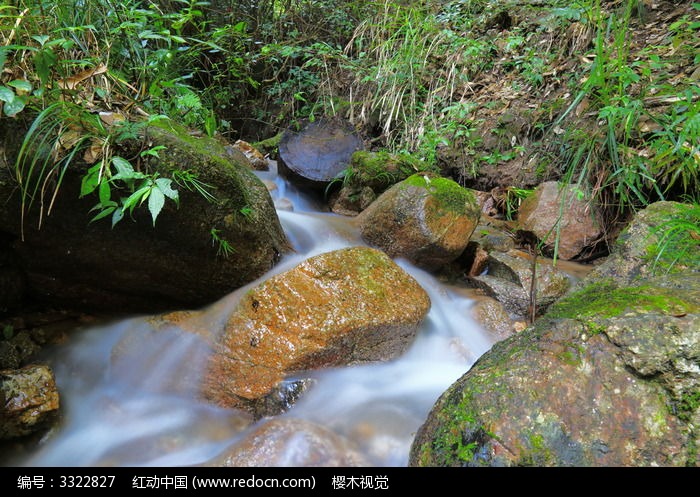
608 377
319 153
425 220
493 317
138 267
343 307
286 442
551 210
257 160
28 400
509 280
350 201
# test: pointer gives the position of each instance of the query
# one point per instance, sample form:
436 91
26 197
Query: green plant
223 248
678 239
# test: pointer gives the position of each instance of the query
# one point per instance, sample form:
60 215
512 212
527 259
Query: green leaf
165 185
138 196
104 213
89 182
155 203
123 166
117 216
21 84
6 94
14 107
44 60
105 192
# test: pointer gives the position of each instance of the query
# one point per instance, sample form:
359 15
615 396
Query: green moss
380 170
449 194
606 300
268 145
687 405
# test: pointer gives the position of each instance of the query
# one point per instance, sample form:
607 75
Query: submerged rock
554 211
286 442
28 400
608 377
343 307
426 220
194 255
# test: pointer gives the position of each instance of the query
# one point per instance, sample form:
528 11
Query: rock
343 307
319 153
638 250
493 317
381 170
425 220
28 400
257 160
138 267
509 280
547 208
349 201
286 442
608 377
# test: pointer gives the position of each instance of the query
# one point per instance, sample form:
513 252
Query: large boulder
427 220
557 215
195 254
29 400
608 377
343 307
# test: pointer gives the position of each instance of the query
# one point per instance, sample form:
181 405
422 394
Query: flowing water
123 409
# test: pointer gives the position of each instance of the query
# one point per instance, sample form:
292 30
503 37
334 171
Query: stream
125 412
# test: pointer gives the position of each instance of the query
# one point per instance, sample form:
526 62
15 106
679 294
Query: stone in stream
509 280
319 153
28 400
427 220
288 442
343 307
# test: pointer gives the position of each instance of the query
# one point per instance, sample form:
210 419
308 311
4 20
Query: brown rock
493 317
342 307
28 400
577 220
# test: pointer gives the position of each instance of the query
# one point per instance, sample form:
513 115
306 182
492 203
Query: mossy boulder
137 266
427 220
610 376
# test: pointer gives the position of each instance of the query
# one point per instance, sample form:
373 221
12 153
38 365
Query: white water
135 409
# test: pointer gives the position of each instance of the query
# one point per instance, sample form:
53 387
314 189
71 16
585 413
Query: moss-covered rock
427 220
137 266
608 377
